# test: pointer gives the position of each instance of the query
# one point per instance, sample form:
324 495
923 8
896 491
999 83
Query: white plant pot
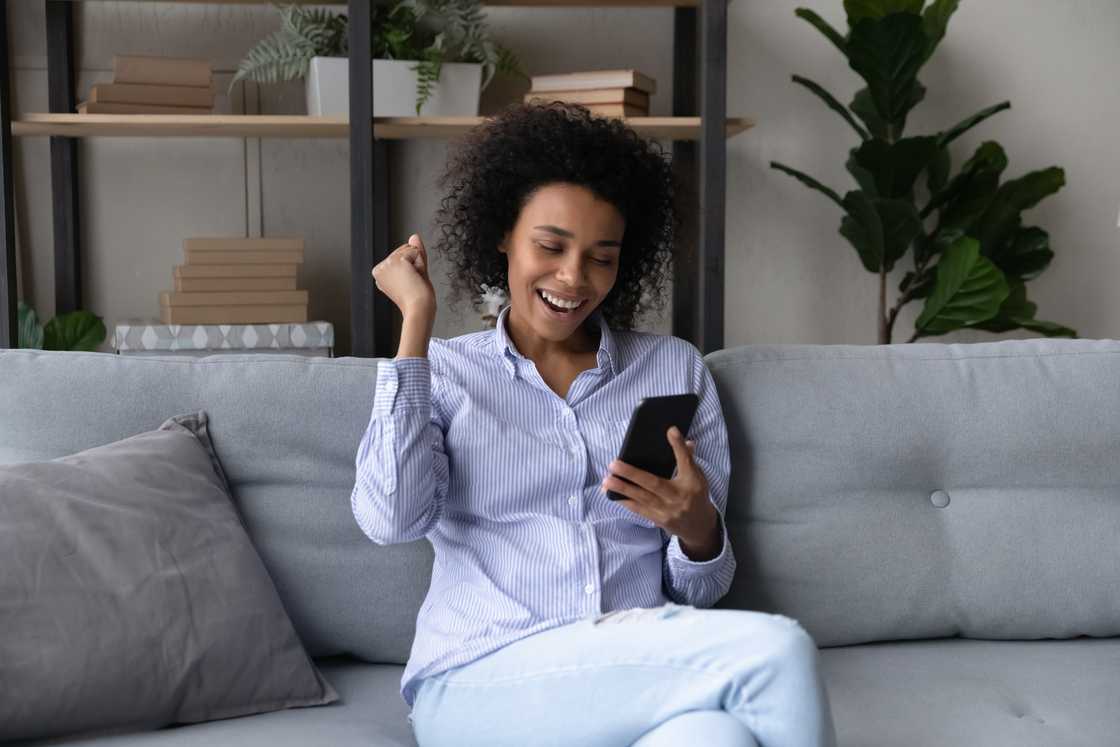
456 94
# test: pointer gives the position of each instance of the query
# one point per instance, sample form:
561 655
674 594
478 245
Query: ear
503 247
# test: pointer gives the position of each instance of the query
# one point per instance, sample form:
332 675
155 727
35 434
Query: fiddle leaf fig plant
75 330
972 254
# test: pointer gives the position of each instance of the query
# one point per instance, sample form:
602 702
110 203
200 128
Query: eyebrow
568 234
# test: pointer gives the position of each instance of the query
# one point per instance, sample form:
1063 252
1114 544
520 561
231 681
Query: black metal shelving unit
699 85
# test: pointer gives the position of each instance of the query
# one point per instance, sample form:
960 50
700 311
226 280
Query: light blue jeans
671 675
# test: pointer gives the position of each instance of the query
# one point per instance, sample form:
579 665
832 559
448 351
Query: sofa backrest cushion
926 490
286 429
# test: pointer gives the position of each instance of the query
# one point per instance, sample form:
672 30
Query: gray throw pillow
132 598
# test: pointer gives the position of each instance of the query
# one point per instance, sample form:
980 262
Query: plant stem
884 328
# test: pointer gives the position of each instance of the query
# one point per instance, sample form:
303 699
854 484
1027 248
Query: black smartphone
646 445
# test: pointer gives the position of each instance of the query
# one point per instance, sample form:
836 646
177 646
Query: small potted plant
431 58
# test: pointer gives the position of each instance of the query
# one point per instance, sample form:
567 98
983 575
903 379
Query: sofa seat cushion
370 713
1039 693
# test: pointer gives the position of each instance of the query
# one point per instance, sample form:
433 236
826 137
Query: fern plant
431 32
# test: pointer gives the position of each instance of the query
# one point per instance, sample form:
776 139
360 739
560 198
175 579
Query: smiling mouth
559 309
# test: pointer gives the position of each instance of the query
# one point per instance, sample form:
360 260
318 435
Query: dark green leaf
862 227
833 104
969 193
969 289
808 181
887 53
864 178
1002 218
937 172
857 9
896 165
823 26
900 225
864 108
1026 255
77 330
965 125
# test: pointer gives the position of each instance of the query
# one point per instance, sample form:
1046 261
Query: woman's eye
603 262
548 247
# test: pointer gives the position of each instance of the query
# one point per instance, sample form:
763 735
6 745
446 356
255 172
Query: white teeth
560 302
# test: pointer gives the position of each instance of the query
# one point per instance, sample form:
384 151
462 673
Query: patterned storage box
140 337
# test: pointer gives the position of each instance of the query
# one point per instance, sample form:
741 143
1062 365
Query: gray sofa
942 518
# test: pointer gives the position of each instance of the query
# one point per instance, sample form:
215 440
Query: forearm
416 332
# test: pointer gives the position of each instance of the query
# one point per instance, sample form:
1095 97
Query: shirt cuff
683 564
402 383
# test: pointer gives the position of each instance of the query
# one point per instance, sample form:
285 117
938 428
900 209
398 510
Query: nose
570 271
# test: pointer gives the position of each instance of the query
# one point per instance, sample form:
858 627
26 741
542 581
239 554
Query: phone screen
646 445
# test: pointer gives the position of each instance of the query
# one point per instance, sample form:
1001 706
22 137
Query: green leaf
857 9
937 172
934 21
1026 255
964 126
863 229
928 247
30 333
77 330
969 289
808 181
1017 312
823 26
969 193
864 108
1002 218
887 53
879 230
896 166
833 104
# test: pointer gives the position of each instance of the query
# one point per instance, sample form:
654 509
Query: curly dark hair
502 162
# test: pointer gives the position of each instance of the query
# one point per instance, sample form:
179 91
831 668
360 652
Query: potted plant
972 254
431 58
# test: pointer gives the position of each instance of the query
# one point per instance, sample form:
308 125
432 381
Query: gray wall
790 276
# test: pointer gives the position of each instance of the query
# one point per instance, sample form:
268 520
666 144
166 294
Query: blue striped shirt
470 448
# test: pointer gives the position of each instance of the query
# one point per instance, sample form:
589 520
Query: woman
555 615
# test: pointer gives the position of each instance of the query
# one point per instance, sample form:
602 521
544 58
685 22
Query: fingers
680 450
634 492
644 479
412 252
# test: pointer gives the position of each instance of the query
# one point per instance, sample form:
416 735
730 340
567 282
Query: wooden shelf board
296 126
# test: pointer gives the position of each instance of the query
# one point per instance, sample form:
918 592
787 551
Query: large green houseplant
431 32
972 254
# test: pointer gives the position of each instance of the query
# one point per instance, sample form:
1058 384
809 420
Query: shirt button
590 588
573 500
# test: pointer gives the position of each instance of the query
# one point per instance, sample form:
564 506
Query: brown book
593 79
169 71
232 314
90 107
232 298
617 110
193 285
233 257
243 244
138 93
594 96
218 270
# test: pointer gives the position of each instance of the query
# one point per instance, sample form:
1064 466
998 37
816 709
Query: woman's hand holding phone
679 505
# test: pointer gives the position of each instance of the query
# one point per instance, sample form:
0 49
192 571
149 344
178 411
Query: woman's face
565 245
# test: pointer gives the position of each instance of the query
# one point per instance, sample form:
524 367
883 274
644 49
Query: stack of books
236 281
610 93
153 85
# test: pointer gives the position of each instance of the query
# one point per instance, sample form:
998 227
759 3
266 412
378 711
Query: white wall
790 276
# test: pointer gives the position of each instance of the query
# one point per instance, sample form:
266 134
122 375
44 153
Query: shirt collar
607 355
